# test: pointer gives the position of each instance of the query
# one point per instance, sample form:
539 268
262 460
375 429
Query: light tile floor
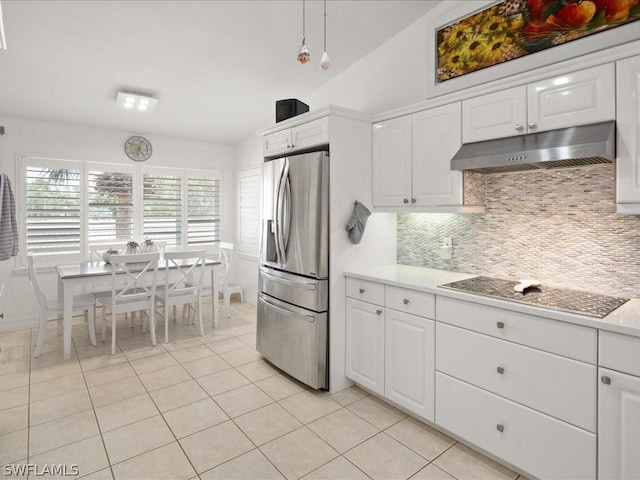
204 407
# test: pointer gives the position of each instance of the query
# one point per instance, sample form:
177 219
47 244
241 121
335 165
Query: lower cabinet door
618 426
410 362
540 445
365 344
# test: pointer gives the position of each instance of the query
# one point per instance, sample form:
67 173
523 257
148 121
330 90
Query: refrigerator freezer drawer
304 292
294 340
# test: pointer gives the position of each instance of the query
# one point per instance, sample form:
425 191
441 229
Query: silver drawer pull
500 370
500 324
379 312
361 290
606 380
500 427
405 301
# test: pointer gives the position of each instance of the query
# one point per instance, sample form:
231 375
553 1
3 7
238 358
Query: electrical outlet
447 248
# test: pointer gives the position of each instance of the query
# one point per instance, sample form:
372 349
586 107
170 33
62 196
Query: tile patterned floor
204 407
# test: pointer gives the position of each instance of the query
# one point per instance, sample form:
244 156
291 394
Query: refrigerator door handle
309 318
286 220
277 220
305 285
280 212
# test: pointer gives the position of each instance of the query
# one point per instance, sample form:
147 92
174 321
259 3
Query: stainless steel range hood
568 147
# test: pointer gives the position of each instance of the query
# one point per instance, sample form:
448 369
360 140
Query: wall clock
138 148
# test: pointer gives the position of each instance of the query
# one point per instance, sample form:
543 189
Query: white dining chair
52 309
137 294
224 257
183 279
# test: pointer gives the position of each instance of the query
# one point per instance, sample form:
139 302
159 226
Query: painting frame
450 12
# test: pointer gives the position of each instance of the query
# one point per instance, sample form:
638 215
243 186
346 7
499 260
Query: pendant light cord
325 25
303 22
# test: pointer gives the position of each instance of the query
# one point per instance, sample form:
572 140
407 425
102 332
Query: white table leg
67 298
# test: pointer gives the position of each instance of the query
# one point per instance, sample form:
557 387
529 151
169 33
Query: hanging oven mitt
357 222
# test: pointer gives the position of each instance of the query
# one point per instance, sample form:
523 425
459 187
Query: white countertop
625 319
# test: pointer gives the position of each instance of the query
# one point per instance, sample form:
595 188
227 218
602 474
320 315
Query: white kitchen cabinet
552 384
628 136
619 407
365 344
409 362
536 443
390 341
618 426
299 137
519 386
577 98
412 160
392 162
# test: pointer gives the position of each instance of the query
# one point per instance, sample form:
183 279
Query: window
249 184
70 205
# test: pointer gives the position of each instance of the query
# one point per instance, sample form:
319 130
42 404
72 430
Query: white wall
244 270
74 142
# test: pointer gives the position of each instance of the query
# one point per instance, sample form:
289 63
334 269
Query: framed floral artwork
523 34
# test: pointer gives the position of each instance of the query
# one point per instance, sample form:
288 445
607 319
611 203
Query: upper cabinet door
579 98
392 162
496 115
310 134
628 131
436 139
276 143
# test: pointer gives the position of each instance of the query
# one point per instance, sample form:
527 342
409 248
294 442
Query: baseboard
18 324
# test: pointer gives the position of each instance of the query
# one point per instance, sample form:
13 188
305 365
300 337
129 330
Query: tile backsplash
558 226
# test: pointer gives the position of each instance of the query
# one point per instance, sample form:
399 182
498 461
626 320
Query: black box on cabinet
289 108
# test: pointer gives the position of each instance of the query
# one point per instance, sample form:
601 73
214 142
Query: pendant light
303 53
325 62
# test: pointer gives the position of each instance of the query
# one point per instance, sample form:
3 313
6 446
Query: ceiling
217 67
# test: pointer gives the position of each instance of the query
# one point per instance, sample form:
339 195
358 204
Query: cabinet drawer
538 444
366 291
410 301
566 339
620 352
558 386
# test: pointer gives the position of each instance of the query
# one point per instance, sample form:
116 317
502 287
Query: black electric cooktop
567 300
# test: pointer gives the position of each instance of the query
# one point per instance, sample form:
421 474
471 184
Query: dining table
73 278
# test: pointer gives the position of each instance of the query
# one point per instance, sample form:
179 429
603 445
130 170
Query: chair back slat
135 268
179 272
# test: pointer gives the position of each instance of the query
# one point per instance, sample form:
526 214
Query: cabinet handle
405 301
532 126
379 312
500 370
519 127
500 427
405 200
361 290
413 200
500 324
606 380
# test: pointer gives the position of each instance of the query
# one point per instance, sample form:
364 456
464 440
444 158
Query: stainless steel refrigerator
293 298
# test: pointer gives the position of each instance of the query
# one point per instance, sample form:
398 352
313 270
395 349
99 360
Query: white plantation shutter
68 207
203 210
110 204
53 207
162 214
249 188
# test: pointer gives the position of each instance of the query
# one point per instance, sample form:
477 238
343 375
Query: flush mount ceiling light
303 54
135 101
3 41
